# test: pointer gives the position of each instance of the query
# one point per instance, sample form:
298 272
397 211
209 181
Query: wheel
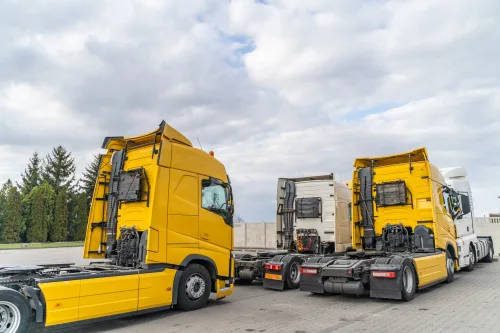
408 281
292 273
450 267
194 288
472 259
15 312
489 256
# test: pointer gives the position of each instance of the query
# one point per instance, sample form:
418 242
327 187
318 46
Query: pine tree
31 177
50 200
58 230
89 178
79 216
12 216
36 231
59 169
3 198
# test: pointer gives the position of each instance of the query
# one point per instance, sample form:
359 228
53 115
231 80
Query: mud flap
275 278
311 283
311 277
389 282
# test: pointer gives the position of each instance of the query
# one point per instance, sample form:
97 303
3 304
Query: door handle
204 236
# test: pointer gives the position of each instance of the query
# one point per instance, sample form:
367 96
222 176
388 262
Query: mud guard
384 287
313 282
277 279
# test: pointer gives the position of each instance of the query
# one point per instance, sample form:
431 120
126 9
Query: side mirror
465 203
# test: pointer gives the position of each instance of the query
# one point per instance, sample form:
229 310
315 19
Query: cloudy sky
277 88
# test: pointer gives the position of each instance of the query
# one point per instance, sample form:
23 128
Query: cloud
277 88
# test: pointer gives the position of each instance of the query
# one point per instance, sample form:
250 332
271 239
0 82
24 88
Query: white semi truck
471 247
312 217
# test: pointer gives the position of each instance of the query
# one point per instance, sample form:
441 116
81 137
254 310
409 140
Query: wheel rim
449 264
10 317
408 280
195 287
295 272
472 257
491 252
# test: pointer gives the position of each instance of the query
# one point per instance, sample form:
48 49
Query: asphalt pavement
470 304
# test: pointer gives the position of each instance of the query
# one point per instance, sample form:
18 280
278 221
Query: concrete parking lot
470 304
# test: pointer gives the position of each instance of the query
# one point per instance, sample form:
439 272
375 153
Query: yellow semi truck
161 228
403 232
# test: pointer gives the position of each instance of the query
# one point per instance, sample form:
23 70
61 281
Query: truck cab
313 214
312 217
471 247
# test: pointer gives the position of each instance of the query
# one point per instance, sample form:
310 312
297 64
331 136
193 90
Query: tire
472 259
16 309
292 274
408 281
194 288
489 256
449 269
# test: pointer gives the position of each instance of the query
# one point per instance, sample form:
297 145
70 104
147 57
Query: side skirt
430 284
118 316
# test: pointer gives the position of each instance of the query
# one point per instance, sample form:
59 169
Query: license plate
273 276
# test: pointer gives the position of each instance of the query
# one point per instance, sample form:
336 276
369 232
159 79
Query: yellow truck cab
403 231
161 227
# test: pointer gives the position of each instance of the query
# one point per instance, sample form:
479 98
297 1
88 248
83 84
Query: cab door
445 218
215 224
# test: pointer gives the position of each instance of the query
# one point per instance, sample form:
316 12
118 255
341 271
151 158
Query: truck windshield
215 197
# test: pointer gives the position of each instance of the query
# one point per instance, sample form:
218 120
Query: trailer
404 234
312 217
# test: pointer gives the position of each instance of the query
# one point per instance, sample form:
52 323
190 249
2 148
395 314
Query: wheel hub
295 272
195 287
407 280
450 266
10 317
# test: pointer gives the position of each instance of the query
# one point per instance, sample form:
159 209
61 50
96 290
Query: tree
36 229
12 216
79 215
31 177
89 178
3 198
58 230
50 200
59 169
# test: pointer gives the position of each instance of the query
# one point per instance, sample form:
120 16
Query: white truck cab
471 248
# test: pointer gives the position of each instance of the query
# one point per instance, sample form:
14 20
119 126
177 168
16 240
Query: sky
277 88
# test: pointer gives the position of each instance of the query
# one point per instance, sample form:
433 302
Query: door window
214 197
446 201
